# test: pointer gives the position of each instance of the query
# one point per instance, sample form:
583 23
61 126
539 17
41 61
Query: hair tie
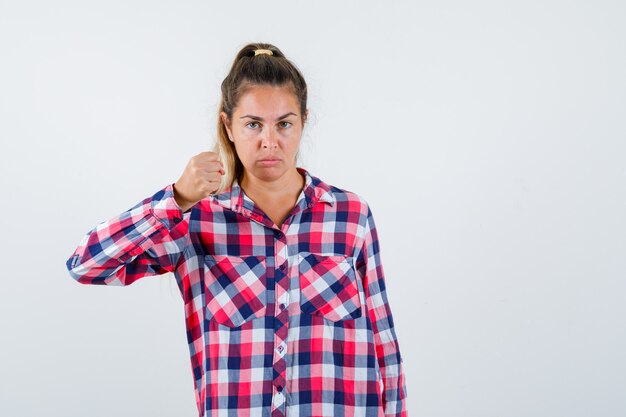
262 51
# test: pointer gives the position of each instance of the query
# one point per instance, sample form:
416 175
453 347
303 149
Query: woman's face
266 128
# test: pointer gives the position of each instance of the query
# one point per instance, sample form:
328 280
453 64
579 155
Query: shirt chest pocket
328 286
236 288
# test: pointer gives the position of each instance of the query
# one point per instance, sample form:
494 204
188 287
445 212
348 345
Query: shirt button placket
281 322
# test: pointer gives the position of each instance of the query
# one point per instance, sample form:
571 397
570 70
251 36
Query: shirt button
278 234
177 219
279 388
283 306
282 267
310 205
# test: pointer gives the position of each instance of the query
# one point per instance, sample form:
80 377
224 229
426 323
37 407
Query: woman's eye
252 123
289 123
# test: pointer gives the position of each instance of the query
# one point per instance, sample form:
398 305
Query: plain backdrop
488 137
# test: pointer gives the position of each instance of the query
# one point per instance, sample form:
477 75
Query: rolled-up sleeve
147 239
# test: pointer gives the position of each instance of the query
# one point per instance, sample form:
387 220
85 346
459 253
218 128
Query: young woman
280 272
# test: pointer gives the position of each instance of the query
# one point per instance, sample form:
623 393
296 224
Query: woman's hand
202 176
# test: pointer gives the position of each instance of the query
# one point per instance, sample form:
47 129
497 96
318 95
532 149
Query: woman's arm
147 239
387 348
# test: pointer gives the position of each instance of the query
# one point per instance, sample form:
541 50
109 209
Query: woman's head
262 113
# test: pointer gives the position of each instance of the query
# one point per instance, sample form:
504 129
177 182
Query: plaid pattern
291 321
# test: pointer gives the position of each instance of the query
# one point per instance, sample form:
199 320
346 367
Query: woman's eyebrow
261 119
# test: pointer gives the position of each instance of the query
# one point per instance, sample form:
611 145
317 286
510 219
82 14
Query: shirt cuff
165 208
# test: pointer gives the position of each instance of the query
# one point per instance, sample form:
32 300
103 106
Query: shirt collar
314 190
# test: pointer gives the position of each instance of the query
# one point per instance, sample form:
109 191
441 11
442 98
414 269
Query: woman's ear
226 123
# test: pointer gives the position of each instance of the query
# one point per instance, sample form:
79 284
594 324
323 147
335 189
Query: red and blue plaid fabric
291 321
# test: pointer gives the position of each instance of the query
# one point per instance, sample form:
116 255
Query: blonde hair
248 69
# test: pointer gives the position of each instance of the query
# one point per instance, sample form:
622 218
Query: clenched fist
202 176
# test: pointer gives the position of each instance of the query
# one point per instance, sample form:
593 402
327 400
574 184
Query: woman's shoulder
329 191
345 194
348 199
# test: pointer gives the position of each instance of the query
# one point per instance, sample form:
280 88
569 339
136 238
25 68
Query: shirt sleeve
387 347
147 239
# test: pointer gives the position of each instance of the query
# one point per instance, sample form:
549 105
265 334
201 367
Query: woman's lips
269 162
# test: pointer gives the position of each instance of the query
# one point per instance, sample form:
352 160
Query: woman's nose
269 139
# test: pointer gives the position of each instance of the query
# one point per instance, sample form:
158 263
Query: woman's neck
288 185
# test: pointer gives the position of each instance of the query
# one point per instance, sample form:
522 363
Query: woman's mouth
268 162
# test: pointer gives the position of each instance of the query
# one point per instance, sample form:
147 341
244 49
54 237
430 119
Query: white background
488 138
